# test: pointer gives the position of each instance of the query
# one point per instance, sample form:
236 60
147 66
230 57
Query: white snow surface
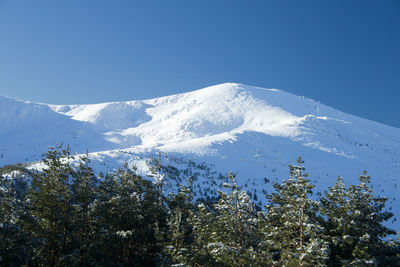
252 131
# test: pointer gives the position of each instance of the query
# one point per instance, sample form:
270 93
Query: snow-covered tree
85 227
131 219
292 228
15 247
179 229
354 221
227 234
50 208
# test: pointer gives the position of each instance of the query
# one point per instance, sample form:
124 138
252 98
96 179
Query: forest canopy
66 215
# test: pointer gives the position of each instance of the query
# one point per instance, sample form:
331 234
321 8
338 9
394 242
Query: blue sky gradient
343 53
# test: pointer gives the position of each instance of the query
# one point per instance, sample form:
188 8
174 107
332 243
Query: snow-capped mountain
252 131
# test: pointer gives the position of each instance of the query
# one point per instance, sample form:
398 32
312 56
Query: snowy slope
252 131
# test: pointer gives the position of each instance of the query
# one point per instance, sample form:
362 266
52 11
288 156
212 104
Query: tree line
65 215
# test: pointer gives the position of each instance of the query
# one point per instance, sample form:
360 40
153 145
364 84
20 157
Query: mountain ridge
253 131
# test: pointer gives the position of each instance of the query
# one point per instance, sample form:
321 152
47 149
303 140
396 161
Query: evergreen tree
131 219
235 241
292 225
227 235
50 208
355 223
202 220
335 207
15 249
85 227
180 230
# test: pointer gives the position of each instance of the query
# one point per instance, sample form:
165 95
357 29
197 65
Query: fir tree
335 207
50 208
15 249
180 230
291 223
235 241
85 227
355 223
227 235
202 220
131 219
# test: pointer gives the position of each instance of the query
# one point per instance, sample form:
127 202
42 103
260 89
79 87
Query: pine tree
104 212
15 249
203 221
180 230
335 208
85 227
228 234
291 223
50 208
131 219
355 223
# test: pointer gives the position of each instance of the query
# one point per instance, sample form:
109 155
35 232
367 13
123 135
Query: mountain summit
253 131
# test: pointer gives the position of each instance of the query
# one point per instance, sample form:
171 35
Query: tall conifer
291 223
50 208
354 220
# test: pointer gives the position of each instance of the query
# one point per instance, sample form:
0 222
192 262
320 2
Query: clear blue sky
345 54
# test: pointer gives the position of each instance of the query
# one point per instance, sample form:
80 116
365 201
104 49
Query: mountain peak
252 130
